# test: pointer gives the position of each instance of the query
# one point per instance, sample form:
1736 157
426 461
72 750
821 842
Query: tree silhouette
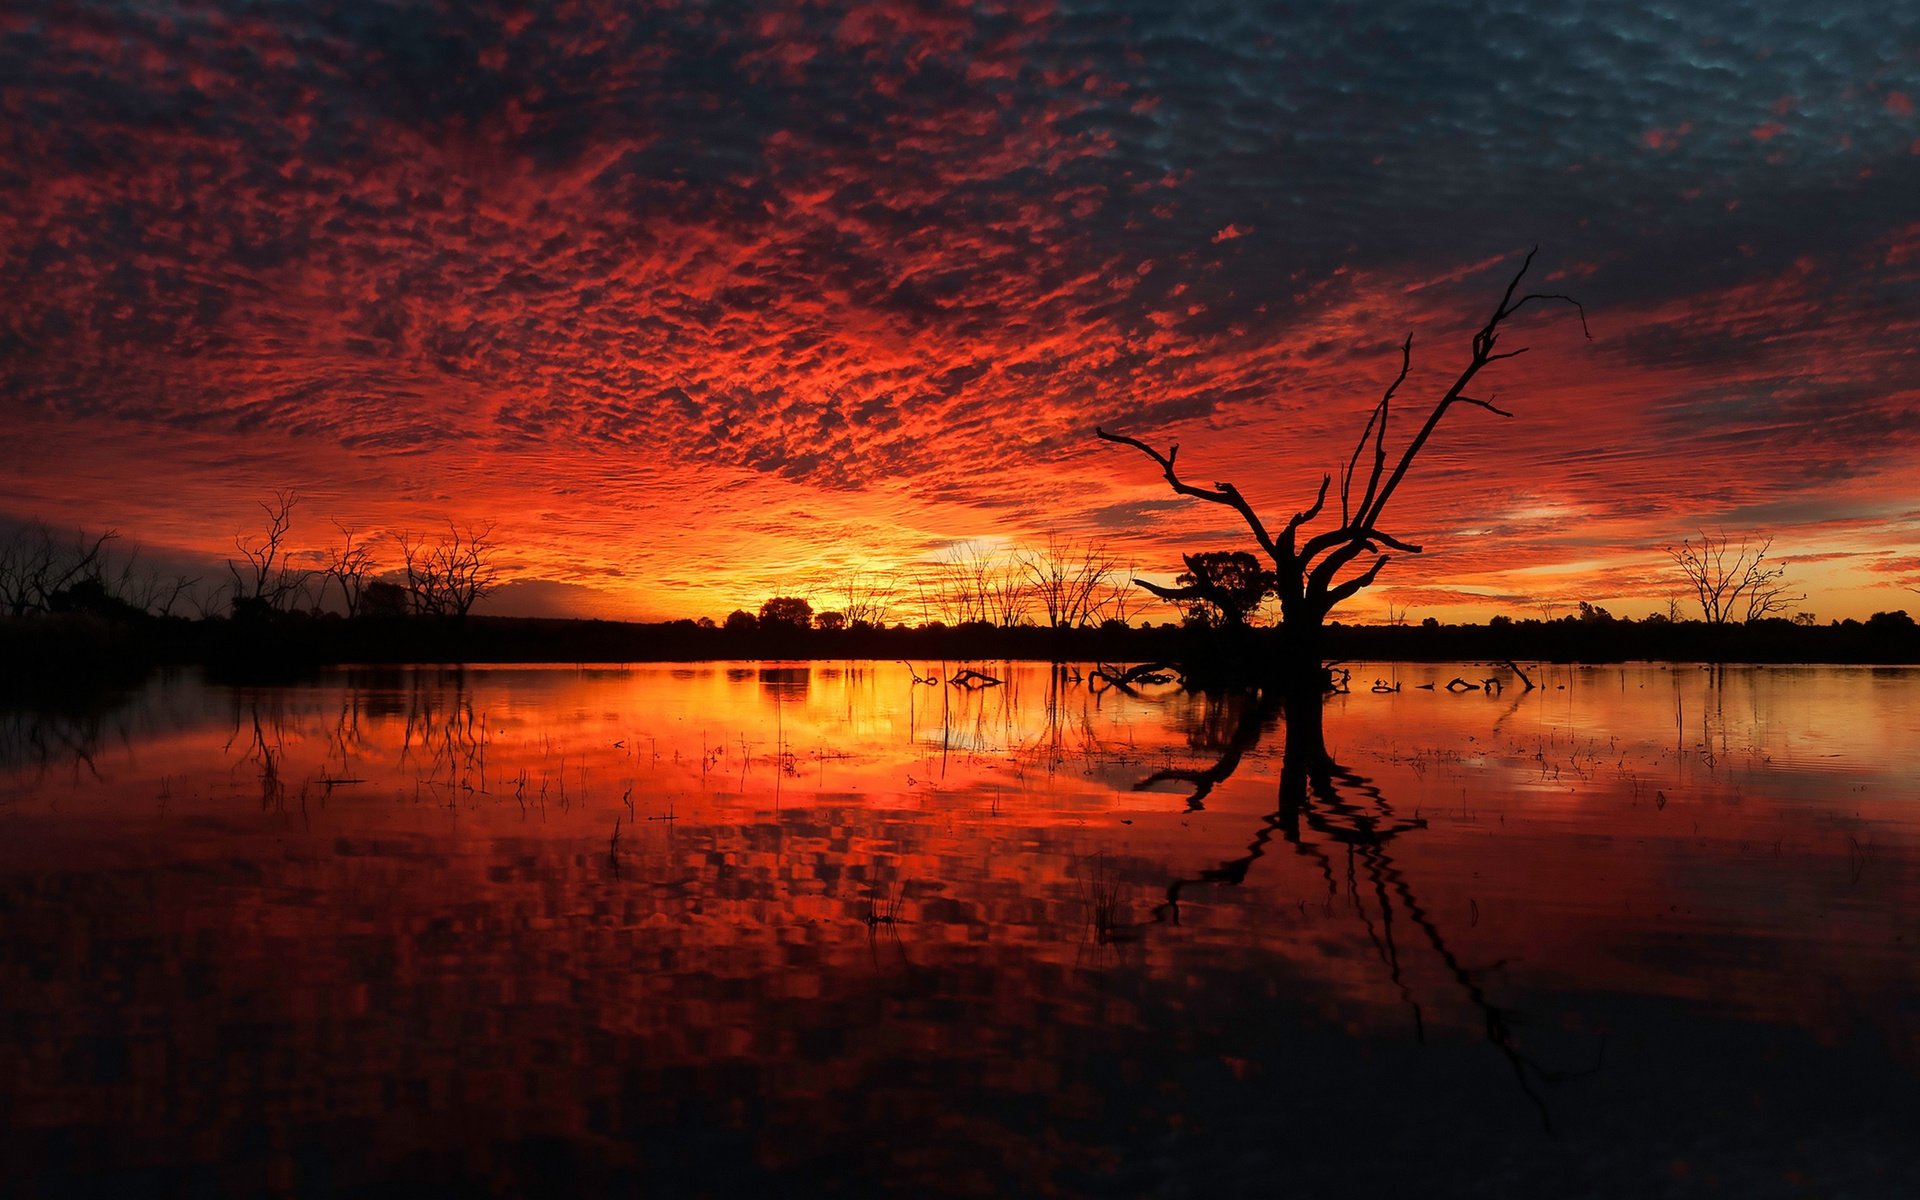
1733 582
1315 572
263 582
1221 588
384 600
791 612
1070 580
348 566
865 597
36 565
446 577
980 582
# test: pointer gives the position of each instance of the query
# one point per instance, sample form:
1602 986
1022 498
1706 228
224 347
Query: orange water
782 928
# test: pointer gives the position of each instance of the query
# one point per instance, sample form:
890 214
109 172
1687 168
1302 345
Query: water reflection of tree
40 740
262 723
345 744
444 740
1231 724
975 722
1328 812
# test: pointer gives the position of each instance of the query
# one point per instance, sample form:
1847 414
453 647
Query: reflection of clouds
913 258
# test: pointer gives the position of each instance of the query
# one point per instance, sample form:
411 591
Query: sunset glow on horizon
697 306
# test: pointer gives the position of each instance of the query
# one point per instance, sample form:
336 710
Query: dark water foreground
817 929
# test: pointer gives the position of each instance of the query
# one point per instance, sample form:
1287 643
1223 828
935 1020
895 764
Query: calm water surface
819 929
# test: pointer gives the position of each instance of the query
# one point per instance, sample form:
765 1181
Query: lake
818 928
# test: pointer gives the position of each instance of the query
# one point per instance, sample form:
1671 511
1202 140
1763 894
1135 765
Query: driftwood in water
1526 685
1106 676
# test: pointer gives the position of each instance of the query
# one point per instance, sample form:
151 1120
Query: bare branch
1732 582
262 580
1486 404
1227 494
1308 579
1377 425
348 566
1069 580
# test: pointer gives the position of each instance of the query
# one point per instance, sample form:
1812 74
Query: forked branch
1308 576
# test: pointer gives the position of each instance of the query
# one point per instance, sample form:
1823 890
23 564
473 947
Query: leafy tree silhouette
1221 588
789 612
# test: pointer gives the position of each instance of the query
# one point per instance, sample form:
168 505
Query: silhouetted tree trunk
265 584
36 565
1069 580
1733 582
446 578
1315 572
348 566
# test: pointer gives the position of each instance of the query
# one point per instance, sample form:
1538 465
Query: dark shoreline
62 652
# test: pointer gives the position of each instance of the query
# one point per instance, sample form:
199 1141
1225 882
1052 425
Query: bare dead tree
148 589
1121 602
36 564
962 581
347 566
447 576
975 582
423 582
1005 594
866 599
1069 579
168 593
208 602
1733 582
263 580
1315 572
926 595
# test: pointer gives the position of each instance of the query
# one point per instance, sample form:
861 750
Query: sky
698 304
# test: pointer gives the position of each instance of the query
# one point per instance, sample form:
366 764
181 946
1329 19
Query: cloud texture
698 300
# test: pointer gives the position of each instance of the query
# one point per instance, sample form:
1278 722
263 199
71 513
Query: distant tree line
1060 584
441 574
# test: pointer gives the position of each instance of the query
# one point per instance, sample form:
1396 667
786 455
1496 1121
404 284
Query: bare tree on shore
1734 583
866 599
150 590
960 581
979 582
348 566
446 576
1071 581
37 564
1315 572
263 580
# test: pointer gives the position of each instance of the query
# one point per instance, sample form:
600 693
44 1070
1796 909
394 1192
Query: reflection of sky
1730 806
701 307
837 893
